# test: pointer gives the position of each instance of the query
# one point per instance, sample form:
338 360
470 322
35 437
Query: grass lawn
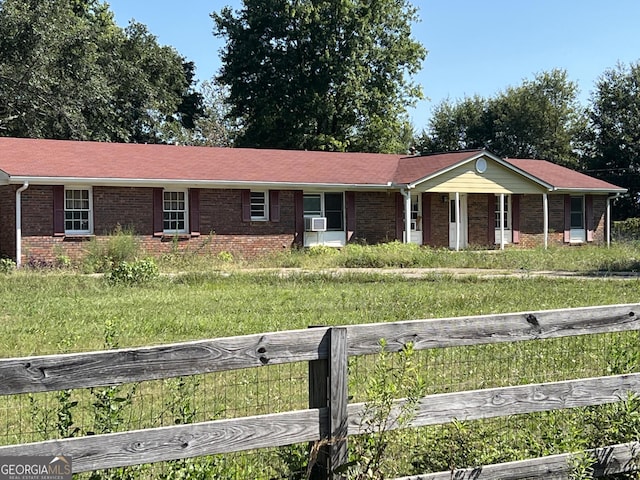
56 311
61 312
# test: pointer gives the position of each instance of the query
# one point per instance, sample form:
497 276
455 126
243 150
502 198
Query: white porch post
545 213
457 221
608 222
502 221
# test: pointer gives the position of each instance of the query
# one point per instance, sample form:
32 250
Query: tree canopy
67 71
614 134
541 118
321 74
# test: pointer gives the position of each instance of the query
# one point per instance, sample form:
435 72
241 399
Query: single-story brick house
54 195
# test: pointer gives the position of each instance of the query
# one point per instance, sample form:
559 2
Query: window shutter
58 210
298 204
350 200
491 219
588 212
426 218
274 205
158 213
399 216
515 218
246 205
567 218
194 211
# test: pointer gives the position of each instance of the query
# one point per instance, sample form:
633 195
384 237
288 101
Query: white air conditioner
315 224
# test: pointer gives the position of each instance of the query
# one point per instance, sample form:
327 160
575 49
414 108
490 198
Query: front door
457 221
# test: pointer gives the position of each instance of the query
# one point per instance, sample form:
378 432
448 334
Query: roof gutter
184 183
19 223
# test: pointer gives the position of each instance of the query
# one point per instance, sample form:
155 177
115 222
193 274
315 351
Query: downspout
406 193
19 223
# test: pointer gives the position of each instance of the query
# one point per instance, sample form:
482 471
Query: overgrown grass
622 257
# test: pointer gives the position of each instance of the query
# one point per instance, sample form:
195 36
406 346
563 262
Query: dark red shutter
426 218
274 205
158 212
246 205
194 211
399 216
588 212
298 204
350 200
491 219
58 209
567 218
515 218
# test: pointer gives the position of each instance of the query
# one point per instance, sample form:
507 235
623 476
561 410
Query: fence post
328 387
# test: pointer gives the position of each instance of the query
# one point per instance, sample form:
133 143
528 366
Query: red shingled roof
561 177
43 160
71 159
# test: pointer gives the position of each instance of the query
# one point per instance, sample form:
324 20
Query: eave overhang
186 183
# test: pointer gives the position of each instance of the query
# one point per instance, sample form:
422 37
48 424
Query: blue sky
475 47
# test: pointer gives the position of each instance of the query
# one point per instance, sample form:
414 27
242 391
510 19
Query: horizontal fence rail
330 419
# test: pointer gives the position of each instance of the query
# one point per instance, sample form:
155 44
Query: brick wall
222 228
375 217
8 221
221 225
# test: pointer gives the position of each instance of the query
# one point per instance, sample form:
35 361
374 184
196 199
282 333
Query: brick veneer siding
375 217
222 228
8 221
221 225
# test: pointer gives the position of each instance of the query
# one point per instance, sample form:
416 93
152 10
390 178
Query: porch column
457 221
502 221
608 221
545 214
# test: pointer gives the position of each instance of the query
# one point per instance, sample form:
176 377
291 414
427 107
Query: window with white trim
78 217
259 206
507 217
174 211
329 205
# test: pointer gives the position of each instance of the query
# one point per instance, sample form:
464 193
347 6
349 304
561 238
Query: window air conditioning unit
315 224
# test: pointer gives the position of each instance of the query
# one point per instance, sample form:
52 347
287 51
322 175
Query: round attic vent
481 165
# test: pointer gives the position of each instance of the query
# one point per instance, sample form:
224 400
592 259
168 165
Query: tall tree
320 74
615 134
68 71
541 118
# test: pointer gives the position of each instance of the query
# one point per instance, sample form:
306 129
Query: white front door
457 221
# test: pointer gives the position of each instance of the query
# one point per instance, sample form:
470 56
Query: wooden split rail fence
330 419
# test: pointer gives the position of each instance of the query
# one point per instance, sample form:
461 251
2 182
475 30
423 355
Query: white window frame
507 212
184 211
323 209
257 204
73 209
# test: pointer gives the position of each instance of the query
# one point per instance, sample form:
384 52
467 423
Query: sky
474 47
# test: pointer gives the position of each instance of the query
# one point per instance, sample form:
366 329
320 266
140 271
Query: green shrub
119 246
132 273
7 265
